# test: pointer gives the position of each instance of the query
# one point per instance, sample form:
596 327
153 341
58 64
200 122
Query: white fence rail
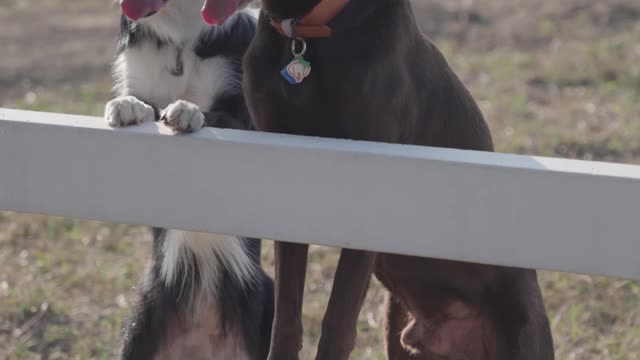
501 209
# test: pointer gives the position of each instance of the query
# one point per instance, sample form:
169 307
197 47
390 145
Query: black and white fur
203 296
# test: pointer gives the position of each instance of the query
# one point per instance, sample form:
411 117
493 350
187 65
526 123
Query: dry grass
553 78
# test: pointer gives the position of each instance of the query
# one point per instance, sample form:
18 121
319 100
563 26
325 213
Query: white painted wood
501 209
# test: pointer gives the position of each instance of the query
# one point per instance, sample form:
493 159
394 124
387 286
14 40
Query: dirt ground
553 78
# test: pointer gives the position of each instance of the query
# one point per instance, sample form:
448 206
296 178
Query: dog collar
326 18
313 25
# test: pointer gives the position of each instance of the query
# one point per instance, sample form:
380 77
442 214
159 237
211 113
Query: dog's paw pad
127 110
183 116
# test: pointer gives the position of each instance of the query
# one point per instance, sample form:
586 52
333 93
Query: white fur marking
178 21
144 72
286 27
212 254
255 12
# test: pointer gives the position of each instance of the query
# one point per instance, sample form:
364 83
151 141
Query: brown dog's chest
341 97
302 109
364 85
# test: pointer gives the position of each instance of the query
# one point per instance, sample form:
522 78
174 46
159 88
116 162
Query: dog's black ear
130 36
126 34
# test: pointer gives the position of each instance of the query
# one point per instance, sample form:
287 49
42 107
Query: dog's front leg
349 288
291 265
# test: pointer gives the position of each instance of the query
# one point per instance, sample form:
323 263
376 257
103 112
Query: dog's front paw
183 116
127 110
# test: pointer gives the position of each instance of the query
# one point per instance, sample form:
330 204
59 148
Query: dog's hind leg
264 330
350 285
521 317
291 265
144 328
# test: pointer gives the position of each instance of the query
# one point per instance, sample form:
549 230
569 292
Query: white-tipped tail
186 252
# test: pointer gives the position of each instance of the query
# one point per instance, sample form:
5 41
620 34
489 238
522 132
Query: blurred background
553 78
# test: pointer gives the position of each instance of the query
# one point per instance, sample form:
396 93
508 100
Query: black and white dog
203 296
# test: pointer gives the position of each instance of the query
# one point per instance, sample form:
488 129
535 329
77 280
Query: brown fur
379 79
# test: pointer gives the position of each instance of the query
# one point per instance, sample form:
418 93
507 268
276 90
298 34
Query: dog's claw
127 110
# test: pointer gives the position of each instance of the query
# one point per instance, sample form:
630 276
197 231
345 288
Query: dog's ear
215 12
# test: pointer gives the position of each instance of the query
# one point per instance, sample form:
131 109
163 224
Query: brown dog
361 69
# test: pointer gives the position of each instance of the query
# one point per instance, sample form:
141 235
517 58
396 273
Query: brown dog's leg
291 265
349 288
